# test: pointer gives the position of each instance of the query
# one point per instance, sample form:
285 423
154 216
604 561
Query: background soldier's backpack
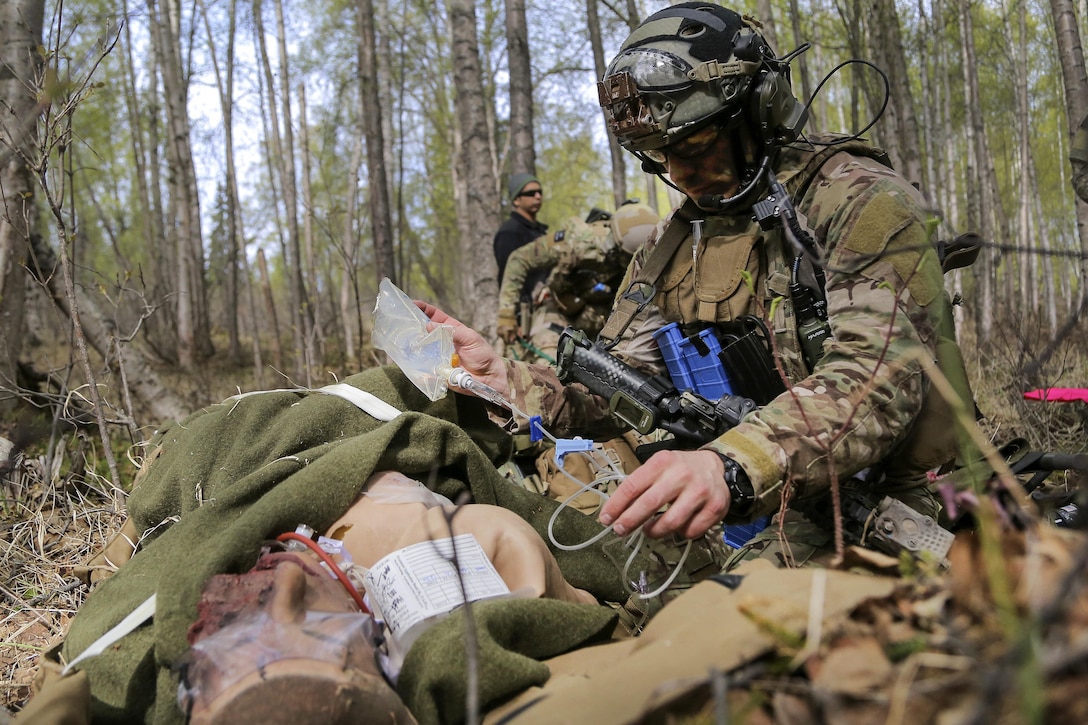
593 261
590 266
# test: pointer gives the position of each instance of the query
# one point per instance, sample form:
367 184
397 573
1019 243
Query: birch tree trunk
615 151
162 327
381 221
316 335
387 102
282 163
633 18
238 229
802 61
225 89
906 150
978 205
1075 82
350 317
159 328
476 196
1034 268
850 14
930 132
302 316
193 335
522 148
270 307
766 16
20 73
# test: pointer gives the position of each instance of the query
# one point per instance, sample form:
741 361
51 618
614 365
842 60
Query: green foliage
572 169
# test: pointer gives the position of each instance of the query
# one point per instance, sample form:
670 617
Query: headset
774 110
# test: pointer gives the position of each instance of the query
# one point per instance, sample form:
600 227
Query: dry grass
49 525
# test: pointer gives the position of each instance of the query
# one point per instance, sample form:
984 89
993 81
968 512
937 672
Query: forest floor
1001 636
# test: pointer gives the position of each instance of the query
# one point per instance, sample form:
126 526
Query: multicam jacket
867 404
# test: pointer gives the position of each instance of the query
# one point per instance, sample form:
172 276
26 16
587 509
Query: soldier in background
521 228
585 262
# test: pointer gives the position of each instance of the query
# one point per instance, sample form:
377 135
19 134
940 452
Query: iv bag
400 330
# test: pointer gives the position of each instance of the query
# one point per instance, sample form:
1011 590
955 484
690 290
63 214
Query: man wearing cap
528 311
526 198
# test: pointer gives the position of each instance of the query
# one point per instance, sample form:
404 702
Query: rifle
642 401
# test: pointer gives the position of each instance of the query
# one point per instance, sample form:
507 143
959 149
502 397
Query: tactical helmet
691 64
633 225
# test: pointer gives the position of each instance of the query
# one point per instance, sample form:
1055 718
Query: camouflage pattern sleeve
885 291
570 410
537 254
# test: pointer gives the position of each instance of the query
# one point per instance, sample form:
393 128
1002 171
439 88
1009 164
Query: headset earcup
777 112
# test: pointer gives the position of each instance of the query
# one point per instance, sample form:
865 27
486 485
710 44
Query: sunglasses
534 192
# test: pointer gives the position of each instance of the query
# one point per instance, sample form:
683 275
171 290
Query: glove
507 328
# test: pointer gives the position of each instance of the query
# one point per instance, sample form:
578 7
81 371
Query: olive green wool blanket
237 474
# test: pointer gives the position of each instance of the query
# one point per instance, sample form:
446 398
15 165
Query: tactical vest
737 269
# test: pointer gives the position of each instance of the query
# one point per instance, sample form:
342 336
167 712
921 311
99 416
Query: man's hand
507 327
691 482
477 357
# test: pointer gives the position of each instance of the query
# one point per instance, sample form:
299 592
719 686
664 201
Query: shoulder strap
643 287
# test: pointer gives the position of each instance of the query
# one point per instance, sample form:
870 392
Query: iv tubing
327 560
461 378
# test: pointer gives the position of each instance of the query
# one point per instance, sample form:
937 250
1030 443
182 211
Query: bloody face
283 643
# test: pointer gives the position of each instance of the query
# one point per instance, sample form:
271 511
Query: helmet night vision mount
694 64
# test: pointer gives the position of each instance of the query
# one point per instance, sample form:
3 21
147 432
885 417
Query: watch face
740 488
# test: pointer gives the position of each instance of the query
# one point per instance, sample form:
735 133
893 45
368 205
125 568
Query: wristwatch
741 492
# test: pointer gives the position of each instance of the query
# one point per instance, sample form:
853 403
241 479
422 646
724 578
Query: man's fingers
435 314
690 483
641 495
698 506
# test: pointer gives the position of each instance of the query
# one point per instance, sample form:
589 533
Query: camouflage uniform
586 265
886 302
1078 158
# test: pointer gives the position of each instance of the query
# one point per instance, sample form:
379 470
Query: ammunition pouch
746 357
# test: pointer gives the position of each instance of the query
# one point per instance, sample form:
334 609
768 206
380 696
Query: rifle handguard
642 401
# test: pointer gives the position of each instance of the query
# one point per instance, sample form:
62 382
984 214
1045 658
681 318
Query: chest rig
723 271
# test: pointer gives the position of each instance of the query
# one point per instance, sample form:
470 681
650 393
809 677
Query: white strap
363 400
138 616
367 402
